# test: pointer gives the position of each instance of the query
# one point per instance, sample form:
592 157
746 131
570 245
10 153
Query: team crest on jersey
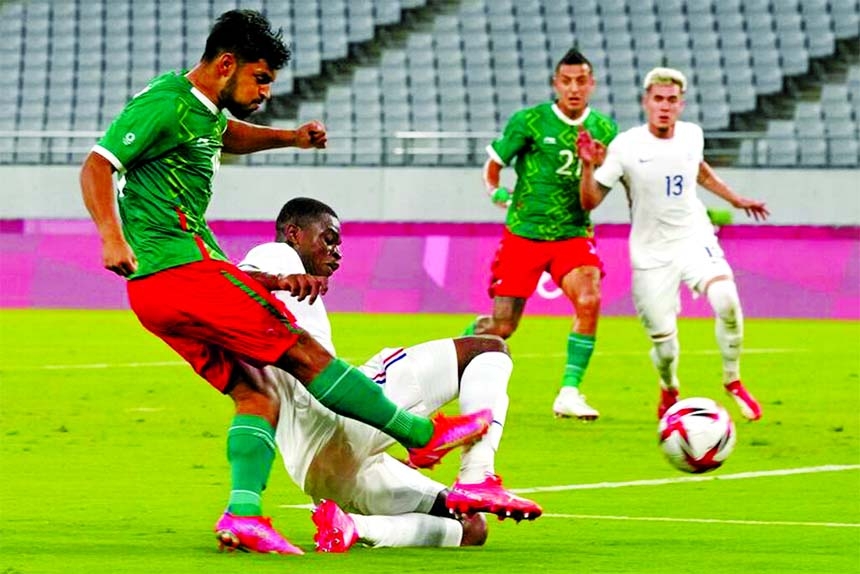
549 140
128 138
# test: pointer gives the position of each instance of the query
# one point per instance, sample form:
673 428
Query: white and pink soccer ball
697 435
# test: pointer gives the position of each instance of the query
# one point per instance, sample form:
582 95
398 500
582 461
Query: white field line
663 481
644 352
309 507
704 520
158 364
685 479
112 365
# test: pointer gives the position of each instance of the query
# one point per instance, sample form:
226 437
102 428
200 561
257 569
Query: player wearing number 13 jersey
671 239
546 229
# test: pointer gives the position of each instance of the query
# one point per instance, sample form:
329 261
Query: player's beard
227 97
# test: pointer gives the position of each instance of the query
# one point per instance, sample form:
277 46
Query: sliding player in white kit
341 464
671 238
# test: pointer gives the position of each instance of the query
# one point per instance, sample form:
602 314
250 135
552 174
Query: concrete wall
794 196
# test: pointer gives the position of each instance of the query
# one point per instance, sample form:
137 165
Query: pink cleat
750 408
448 434
335 528
490 496
668 397
251 534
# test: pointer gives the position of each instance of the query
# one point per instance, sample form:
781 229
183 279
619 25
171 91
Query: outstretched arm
591 154
708 179
98 193
244 137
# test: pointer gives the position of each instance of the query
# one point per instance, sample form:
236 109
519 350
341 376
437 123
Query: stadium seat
747 153
813 152
843 151
853 84
846 20
767 71
386 12
360 19
833 95
781 143
821 40
714 115
492 55
728 22
742 96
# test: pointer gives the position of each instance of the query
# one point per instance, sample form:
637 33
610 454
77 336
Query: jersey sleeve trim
598 178
205 101
491 151
105 153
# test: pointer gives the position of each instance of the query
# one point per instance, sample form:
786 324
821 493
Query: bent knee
666 347
475 530
474 345
587 302
499 328
250 400
723 296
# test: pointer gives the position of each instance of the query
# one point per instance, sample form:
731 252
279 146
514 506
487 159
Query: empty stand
72 64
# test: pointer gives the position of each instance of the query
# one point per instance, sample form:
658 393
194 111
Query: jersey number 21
569 158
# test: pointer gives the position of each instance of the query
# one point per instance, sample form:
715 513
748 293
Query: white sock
723 296
665 354
412 529
484 385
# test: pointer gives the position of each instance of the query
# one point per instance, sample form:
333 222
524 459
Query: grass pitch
112 455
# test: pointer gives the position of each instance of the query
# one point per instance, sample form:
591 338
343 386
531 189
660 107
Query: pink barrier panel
443 268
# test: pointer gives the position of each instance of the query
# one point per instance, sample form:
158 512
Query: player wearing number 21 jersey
541 140
546 229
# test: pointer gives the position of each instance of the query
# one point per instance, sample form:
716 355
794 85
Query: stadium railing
739 149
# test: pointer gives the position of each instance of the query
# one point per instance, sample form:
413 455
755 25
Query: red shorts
213 314
519 262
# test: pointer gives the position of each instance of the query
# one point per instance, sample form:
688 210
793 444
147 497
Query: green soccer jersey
166 147
545 204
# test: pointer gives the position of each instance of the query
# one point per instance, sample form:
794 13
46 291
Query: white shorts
656 291
343 459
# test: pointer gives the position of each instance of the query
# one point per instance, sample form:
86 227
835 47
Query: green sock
250 450
579 350
348 392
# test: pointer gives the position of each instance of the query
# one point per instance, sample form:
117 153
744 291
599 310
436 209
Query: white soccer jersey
660 177
304 424
330 456
281 259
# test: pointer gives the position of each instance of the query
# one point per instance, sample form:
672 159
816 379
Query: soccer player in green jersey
547 230
165 147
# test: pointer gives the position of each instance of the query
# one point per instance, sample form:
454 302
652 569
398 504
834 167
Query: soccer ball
697 435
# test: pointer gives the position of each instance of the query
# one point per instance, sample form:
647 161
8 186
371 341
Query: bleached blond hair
665 76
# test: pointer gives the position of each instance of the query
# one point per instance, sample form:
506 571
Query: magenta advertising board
444 268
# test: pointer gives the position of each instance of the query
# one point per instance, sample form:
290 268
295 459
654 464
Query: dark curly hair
300 211
249 36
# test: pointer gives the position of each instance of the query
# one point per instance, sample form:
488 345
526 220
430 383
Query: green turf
112 455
